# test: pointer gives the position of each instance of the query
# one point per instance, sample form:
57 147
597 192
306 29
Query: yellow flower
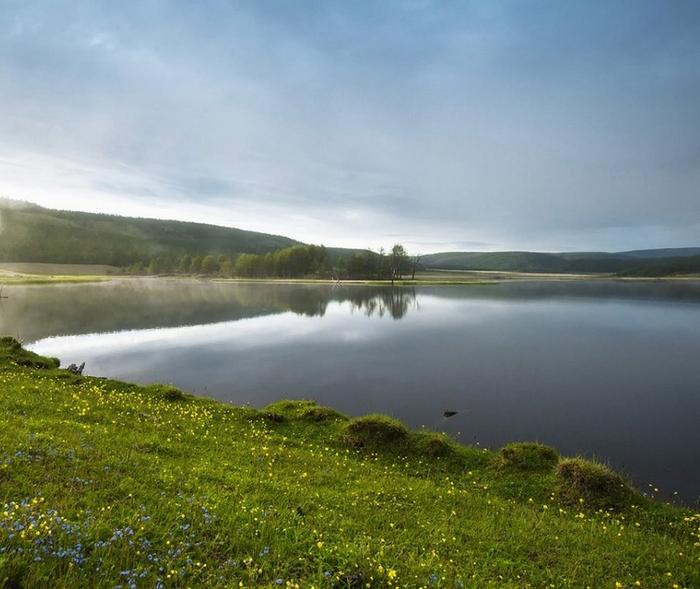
391 573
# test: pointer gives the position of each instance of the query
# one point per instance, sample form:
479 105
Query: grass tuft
273 417
167 392
319 413
528 456
434 445
305 409
374 431
591 484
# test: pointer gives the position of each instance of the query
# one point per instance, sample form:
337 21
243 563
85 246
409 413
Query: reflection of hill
35 312
651 290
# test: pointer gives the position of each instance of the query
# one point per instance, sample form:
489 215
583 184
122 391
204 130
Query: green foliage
292 262
210 265
591 484
530 456
104 483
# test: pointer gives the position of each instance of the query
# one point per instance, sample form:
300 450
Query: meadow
109 484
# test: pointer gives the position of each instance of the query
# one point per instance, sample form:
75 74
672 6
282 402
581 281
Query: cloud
457 125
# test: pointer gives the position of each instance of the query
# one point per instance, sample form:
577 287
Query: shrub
529 456
374 431
590 483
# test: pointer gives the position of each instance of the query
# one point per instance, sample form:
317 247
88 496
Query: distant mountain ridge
31 233
684 260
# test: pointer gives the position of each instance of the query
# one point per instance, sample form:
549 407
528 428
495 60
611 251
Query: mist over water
604 369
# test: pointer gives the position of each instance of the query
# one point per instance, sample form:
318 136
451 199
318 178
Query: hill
109 484
30 233
641 262
33 234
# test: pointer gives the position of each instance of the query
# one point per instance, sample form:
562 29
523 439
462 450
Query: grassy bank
35 273
17 279
106 484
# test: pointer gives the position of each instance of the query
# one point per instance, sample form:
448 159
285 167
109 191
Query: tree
226 267
154 267
196 265
185 264
399 261
210 265
414 264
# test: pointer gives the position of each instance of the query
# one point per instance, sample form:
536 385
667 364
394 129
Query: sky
467 125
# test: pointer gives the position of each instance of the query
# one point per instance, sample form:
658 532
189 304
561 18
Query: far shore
43 274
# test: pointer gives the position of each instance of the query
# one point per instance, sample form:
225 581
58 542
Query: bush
374 431
590 483
529 456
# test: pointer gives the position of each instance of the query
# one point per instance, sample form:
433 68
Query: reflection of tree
312 301
37 312
394 301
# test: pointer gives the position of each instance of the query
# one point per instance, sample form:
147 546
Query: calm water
610 370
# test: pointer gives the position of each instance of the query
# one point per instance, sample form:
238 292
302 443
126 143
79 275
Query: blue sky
443 125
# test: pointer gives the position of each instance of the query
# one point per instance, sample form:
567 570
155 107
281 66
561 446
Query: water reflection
33 312
604 369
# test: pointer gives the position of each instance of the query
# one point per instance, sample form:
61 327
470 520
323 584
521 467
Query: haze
446 126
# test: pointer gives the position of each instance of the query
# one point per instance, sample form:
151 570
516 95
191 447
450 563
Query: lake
602 369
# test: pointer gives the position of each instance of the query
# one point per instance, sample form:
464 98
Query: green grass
103 484
17 279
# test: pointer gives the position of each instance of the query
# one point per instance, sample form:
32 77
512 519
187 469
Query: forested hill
655 262
29 233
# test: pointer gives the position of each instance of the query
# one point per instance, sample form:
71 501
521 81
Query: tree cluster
290 262
297 261
369 265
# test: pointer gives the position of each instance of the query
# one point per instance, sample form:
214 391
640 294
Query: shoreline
487 278
111 480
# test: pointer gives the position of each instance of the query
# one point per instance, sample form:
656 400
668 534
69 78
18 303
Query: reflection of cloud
340 324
